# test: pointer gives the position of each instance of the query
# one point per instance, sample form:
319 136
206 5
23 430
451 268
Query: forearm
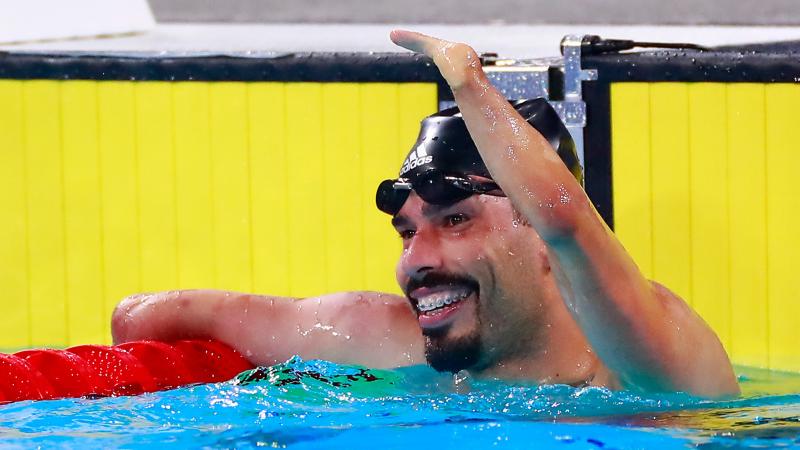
169 315
601 285
629 325
520 160
343 327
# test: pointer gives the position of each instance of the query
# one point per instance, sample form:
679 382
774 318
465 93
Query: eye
406 234
453 220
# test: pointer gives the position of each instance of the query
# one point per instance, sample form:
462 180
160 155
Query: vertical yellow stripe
343 190
379 149
630 162
747 224
269 187
85 319
126 186
231 185
709 200
415 101
669 138
783 239
193 186
306 186
156 185
14 317
117 137
44 177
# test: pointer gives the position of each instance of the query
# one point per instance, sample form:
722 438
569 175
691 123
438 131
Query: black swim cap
444 143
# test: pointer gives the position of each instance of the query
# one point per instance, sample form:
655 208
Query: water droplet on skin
511 153
563 194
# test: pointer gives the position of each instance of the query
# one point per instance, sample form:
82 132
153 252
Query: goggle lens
433 187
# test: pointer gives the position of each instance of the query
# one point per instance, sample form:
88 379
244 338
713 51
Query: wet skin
511 321
557 301
646 334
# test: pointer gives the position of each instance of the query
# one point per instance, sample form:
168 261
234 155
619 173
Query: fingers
416 42
455 61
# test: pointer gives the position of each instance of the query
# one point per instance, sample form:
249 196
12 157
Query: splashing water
317 404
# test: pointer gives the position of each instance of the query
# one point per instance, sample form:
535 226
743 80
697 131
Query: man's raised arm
643 332
367 328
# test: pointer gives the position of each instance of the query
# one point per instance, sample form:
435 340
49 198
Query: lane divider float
126 369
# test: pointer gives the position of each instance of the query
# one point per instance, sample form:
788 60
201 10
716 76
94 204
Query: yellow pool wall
117 187
705 199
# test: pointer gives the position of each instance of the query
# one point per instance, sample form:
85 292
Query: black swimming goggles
432 186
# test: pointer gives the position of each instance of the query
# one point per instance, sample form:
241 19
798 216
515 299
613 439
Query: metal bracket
517 82
572 109
517 79
520 79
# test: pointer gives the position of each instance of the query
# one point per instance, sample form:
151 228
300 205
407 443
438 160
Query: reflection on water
322 405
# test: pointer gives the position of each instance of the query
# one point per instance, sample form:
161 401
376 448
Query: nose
422 255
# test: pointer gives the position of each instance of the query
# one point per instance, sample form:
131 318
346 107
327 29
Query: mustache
432 279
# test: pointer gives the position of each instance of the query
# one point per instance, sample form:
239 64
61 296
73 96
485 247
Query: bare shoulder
673 304
697 361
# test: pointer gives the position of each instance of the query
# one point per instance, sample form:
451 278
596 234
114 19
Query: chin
453 354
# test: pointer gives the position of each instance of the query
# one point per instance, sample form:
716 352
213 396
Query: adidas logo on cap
416 158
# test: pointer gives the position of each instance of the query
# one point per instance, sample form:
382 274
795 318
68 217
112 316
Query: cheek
513 251
399 274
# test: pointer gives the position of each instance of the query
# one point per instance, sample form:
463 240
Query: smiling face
474 276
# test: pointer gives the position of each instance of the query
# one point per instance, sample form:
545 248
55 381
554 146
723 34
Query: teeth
440 299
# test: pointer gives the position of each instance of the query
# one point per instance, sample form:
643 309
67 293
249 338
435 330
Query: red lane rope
127 369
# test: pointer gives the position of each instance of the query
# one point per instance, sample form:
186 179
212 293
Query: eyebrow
429 210
399 221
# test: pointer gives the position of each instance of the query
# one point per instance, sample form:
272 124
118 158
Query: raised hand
458 63
634 325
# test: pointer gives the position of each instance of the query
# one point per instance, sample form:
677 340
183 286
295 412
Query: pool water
316 404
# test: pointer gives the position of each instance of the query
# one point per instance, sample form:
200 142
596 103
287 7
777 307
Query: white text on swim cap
416 158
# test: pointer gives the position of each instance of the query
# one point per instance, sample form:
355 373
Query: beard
450 354
453 355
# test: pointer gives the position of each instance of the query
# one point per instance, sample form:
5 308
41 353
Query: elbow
559 222
122 319
129 318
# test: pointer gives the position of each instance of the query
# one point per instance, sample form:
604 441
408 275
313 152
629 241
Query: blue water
323 405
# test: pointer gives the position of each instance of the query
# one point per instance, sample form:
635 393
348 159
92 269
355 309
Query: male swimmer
507 269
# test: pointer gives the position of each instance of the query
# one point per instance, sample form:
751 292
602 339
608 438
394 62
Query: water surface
316 404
